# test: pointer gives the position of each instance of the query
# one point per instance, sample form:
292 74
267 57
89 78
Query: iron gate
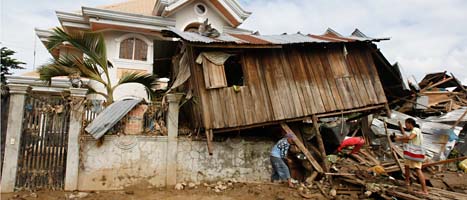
44 141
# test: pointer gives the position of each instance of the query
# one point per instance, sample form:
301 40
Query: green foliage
8 63
93 64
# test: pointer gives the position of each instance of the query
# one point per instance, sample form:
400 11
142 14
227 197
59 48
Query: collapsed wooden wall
288 83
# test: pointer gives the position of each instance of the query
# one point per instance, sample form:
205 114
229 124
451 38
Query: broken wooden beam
319 139
391 147
443 161
436 84
302 148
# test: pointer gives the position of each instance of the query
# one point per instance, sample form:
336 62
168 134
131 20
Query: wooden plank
282 84
302 148
290 83
377 85
357 76
308 84
313 65
319 139
261 103
443 161
248 105
298 78
326 71
272 89
231 108
360 65
391 147
261 71
205 103
339 70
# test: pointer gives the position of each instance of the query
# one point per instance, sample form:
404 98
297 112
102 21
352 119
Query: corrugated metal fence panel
110 116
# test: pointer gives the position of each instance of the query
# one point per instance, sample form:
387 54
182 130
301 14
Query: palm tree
93 65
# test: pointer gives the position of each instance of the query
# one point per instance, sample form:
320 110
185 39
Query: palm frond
90 43
56 67
147 80
93 91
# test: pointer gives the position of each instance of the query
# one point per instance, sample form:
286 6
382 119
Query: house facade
132 31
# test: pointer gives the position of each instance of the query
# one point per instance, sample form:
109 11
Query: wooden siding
289 83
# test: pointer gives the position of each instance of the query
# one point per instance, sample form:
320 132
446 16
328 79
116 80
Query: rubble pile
438 104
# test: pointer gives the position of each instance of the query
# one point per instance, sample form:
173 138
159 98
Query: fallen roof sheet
251 39
450 117
110 116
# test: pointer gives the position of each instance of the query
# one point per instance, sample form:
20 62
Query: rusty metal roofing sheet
110 116
252 39
289 39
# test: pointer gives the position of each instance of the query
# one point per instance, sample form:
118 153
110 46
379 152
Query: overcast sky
426 35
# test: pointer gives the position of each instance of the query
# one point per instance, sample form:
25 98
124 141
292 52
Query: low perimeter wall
125 161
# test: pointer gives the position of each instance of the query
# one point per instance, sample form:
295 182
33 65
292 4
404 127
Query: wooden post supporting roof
314 118
302 148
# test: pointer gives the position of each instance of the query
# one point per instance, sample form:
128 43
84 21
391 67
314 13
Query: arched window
133 49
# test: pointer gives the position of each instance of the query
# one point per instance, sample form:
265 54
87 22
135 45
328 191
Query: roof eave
127 17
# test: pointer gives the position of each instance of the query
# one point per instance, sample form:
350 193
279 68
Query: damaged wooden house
242 81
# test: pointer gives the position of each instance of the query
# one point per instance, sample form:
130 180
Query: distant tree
8 63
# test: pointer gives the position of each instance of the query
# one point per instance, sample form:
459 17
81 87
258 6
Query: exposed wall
123 161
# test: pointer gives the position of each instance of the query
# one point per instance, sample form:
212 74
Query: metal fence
43 145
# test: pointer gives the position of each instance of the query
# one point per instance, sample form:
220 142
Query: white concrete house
132 31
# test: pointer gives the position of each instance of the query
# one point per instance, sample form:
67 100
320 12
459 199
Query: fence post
172 140
13 136
76 116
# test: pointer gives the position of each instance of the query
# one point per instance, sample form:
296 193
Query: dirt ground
238 191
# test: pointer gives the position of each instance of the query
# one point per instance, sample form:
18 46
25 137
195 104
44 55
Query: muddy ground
238 191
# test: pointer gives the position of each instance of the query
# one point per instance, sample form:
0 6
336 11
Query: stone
230 184
33 195
191 185
280 197
219 182
333 192
217 190
129 192
179 186
368 193
79 195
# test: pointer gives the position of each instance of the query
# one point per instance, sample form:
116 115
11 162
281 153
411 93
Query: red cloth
357 142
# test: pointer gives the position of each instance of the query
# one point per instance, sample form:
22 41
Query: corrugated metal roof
451 117
110 116
251 39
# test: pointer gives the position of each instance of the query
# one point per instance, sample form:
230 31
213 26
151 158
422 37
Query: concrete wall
123 161
187 15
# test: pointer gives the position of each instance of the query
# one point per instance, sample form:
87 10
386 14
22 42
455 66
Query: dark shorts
280 171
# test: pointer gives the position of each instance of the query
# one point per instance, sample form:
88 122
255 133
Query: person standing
414 137
280 171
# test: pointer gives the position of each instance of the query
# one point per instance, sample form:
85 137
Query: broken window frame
209 76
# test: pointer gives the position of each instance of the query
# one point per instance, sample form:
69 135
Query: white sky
426 35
